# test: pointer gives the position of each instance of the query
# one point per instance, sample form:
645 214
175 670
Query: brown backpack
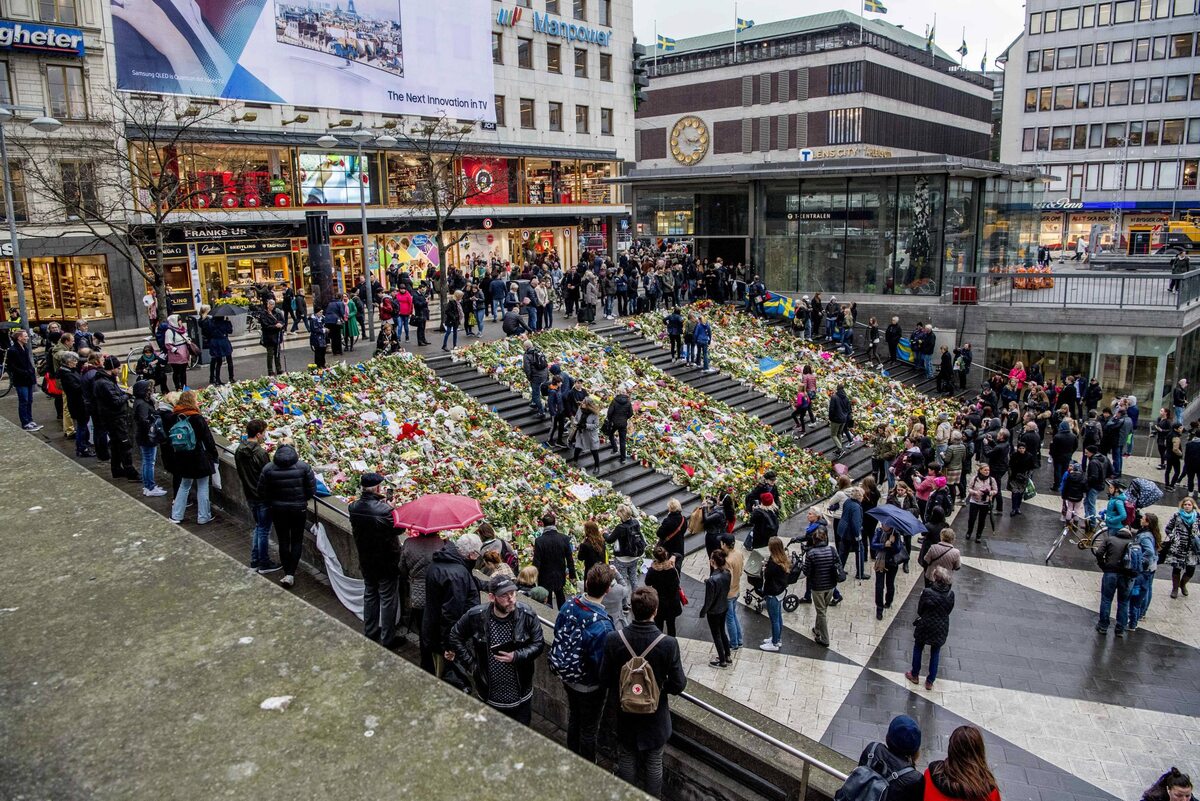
638 687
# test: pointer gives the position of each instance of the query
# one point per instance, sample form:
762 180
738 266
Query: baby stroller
753 571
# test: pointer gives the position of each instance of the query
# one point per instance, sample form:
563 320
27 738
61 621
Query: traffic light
640 77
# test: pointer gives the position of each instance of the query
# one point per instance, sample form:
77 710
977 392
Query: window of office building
552 7
497 47
1101 53
1064 97
1138 94
605 12
500 110
1181 45
1088 18
581 119
1193 131
1060 137
556 111
1189 173
1085 55
1079 140
580 9
1035 23
1027 140
845 126
1122 52
1098 94
1104 14
1149 174
581 63
845 78
526 113
1177 88
1032 60
1168 174
1083 95
1184 8
1050 22
1047 59
1114 134
1145 10
1067 57
1118 93
553 57
1172 132
1043 138
1045 98
606 121
1031 99
1135 133
1095 135
1151 136
1141 50
57 11
1158 48
1155 94
525 53
1196 86
79 188
606 67
1068 19
66 89
1123 11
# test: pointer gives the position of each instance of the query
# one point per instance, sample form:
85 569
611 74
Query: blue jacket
850 524
674 324
596 624
1114 512
702 334
1149 552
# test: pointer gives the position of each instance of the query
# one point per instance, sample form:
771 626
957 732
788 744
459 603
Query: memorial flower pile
703 444
394 416
741 343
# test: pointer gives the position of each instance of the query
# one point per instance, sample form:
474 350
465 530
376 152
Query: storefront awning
833 168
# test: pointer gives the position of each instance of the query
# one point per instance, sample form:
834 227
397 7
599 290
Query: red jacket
404 303
932 793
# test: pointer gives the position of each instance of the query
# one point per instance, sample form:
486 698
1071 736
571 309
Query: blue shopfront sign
570 31
40 38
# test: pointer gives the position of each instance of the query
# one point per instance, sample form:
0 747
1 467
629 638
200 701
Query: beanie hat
767 499
903 736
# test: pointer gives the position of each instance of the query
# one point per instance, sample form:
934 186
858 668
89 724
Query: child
527 585
151 367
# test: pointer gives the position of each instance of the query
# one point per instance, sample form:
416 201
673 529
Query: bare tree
441 187
126 183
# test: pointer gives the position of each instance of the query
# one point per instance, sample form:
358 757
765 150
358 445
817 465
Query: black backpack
867 784
538 360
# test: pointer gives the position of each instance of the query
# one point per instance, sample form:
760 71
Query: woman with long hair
1182 531
775 583
1149 537
592 550
716 601
664 578
195 464
964 774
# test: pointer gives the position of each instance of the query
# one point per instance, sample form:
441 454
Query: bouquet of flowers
703 444
394 416
741 342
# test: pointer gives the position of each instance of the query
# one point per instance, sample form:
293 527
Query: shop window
1137 95
1060 137
1027 140
1064 97
1141 50
1035 23
62 11
1118 93
1177 88
1085 55
412 180
526 112
79 189
1181 45
580 9
1152 133
606 122
1083 95
1172 132
556 113
1045 98
1067 57
1043 138
1155 94
64 86
337 179
606 67
582 114
554 58
1158 48
497 47
1189 173
549 182
223 176
1135 133
592 175
1068 19
1114 134
499 101
1122 52
16 172
1168 174
1123 11
1031 99
64 288
524 53
1079 140
1088 19
581 63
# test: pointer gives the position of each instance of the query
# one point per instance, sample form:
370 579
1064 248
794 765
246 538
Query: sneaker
176 522
269 567
1101 629
1119 633
204 522
1183 589
32 427
914 679
928 685
718 663
287 581
765 640
154 492
769 646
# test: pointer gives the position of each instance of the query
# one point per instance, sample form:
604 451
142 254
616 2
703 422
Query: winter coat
587 430
415 557
622 536
1074 486
452 314
250 458
821 568
177 349
513 323
469 639
981 491
536 375
112 402
839 407
716 593
143 419
1191 456
635 731
619 412
940 554
287 484
671 533
420 307
450 590
849 527
907 786
216 331
19 366
1181 537
1109 549
1063 445
552 557
933 615
1020 465
199 462
71 382
404 304
665 580
375 536
714 529
765 524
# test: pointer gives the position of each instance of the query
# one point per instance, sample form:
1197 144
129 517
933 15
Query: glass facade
1010 225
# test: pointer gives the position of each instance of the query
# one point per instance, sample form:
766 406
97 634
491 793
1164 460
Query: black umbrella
897 519
229 310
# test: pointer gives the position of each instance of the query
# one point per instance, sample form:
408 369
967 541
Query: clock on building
689 140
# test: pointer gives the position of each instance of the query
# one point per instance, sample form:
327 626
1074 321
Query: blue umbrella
897 519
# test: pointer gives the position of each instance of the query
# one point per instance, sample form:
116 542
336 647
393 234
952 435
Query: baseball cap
499 585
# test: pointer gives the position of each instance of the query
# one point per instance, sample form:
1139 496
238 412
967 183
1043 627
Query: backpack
622 284
538 360
802 402
1133 558
633 543
638 686
943 498
572 640
388 306
183 436
867 784
158 433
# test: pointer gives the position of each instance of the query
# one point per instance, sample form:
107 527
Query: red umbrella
438 512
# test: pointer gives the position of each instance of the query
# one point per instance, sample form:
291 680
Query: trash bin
192 323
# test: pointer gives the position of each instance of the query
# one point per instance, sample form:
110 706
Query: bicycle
5 378
1082 535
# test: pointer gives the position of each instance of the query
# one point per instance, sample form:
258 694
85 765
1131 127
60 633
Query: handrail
808 760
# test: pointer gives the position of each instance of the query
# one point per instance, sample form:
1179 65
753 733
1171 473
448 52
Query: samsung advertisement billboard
389 56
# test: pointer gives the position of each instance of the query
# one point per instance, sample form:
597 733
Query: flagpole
962 56
656 47
735 32
862 12
983 61
932 44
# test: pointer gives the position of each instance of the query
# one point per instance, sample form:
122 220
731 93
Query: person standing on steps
674 323
420 315
586 435
537 371
250 459
553 559
629 546
703 338
839 418
892 335
287 485
272 322
616 420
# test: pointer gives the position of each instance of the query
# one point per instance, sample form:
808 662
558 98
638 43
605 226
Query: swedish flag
874 6
929 39
666 43
779 305
743 24
905 351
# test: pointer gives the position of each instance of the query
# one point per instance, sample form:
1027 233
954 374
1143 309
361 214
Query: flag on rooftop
743 24
666 43
874 6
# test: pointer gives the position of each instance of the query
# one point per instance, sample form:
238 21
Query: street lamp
362 136
41 124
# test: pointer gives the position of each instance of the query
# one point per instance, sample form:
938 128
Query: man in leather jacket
498 644
378 543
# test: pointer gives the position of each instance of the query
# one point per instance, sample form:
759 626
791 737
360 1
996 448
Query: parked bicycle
1076 529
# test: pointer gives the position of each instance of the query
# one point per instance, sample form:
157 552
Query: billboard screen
388 56
335 179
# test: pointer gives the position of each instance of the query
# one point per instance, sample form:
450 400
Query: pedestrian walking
585 433
980 492
893 760
1183 546
553 559
1149 539
287 485
888 551
839 419
193 457
1175 448
377 542
629 546
576 656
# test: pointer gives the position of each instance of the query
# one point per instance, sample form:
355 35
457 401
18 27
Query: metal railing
1079 289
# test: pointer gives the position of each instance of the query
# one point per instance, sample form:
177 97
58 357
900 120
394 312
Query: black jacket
755 495
200 461
271 335
907 787
839 407
112 402
71 382
376 537
821 568
893 334
765 524
666 583
619 411
775 578
1075 486
1109 550
644 732
469 641
714 529
672 531
622 535
250 459
552 558
20 367
287 484
1097 472
450 590
1063 445
143 419
933 615
716 593
513 324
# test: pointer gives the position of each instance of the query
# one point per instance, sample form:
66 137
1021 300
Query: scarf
1187 517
